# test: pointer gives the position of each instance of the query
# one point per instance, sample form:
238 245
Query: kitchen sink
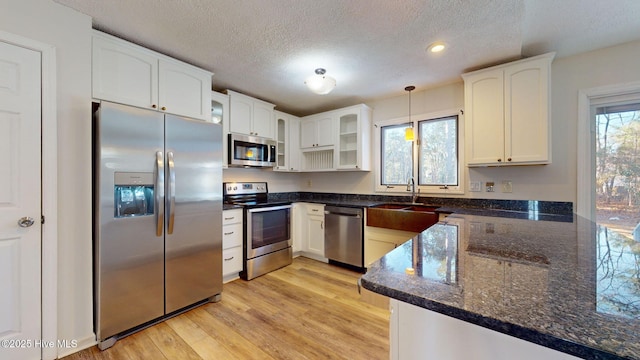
421 208
398 216
391 206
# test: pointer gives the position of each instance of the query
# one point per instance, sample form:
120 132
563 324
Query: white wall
277 181
554 182
69 31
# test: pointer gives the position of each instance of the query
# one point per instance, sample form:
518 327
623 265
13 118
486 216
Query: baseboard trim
81 344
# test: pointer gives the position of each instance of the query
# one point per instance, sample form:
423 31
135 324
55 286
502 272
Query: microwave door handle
159 191
171 191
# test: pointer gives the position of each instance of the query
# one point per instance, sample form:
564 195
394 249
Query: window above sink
435 161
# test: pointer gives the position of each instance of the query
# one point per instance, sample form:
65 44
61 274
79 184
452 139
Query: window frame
379 162
415 120
419 179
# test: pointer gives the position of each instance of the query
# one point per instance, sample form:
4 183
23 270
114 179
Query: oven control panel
245 188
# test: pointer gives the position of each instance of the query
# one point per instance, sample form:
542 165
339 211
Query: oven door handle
269 208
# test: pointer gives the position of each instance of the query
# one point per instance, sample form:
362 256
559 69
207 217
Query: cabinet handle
230 218
154 106
321 224
164 108
314 210
229 233
231 258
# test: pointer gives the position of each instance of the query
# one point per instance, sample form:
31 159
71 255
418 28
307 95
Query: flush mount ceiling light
320 83
408 132
436 47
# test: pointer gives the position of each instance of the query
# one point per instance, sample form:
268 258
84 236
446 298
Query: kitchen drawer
315 209
232 216
232 260
232 235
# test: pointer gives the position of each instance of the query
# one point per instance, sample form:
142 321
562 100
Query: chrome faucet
412 184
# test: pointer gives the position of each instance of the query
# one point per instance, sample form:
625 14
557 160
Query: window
434 162
438 152
397 157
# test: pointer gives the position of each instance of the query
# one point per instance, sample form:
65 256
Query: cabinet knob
499 160
164 108
509 159
154 106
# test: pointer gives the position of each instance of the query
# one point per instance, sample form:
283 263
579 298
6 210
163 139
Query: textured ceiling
374 48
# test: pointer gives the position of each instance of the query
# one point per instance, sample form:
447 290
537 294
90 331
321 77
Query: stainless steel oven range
267 228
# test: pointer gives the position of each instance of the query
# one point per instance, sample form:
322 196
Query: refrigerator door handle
159 198
172 191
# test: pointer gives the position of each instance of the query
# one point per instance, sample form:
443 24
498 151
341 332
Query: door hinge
42 219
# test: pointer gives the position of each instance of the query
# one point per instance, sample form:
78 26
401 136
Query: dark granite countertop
558 281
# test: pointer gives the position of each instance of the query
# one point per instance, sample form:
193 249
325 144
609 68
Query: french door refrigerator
157 217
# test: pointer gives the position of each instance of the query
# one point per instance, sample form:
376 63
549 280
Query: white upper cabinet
288 143
250 116
507 119
317 130
220 115
336 140
129 74
354 134
184 90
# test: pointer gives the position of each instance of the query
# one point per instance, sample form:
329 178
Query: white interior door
20 198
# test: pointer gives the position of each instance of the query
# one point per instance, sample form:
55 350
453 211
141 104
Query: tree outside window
438 152
397 158
433 160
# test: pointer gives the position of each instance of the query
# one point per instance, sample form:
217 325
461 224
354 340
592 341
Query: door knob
25 221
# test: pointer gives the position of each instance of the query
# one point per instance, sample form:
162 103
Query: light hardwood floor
307 310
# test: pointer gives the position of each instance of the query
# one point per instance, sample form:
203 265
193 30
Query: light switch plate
475 186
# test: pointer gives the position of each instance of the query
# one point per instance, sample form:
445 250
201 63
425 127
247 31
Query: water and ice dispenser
133 194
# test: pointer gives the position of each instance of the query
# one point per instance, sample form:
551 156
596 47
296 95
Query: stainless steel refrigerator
157 217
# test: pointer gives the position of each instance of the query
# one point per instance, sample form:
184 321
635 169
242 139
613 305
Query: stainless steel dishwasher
343 235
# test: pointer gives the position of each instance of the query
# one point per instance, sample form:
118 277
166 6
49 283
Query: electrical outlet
475 186
489 186
507 186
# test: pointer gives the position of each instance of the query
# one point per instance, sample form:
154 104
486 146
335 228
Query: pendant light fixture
320 83
408 132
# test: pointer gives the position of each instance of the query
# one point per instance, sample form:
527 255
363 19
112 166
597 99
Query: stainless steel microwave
246 151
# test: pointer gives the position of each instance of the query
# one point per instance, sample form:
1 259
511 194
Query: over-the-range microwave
246 151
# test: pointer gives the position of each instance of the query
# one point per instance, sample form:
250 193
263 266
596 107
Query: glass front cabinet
220 115
288 142
354 126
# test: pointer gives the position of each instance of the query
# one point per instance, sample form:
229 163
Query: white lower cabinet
418 333
315 235
310 225
232 236
297 216
379 241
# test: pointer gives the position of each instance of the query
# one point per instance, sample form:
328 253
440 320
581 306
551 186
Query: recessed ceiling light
436 47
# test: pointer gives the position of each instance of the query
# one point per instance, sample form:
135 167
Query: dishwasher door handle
342 214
